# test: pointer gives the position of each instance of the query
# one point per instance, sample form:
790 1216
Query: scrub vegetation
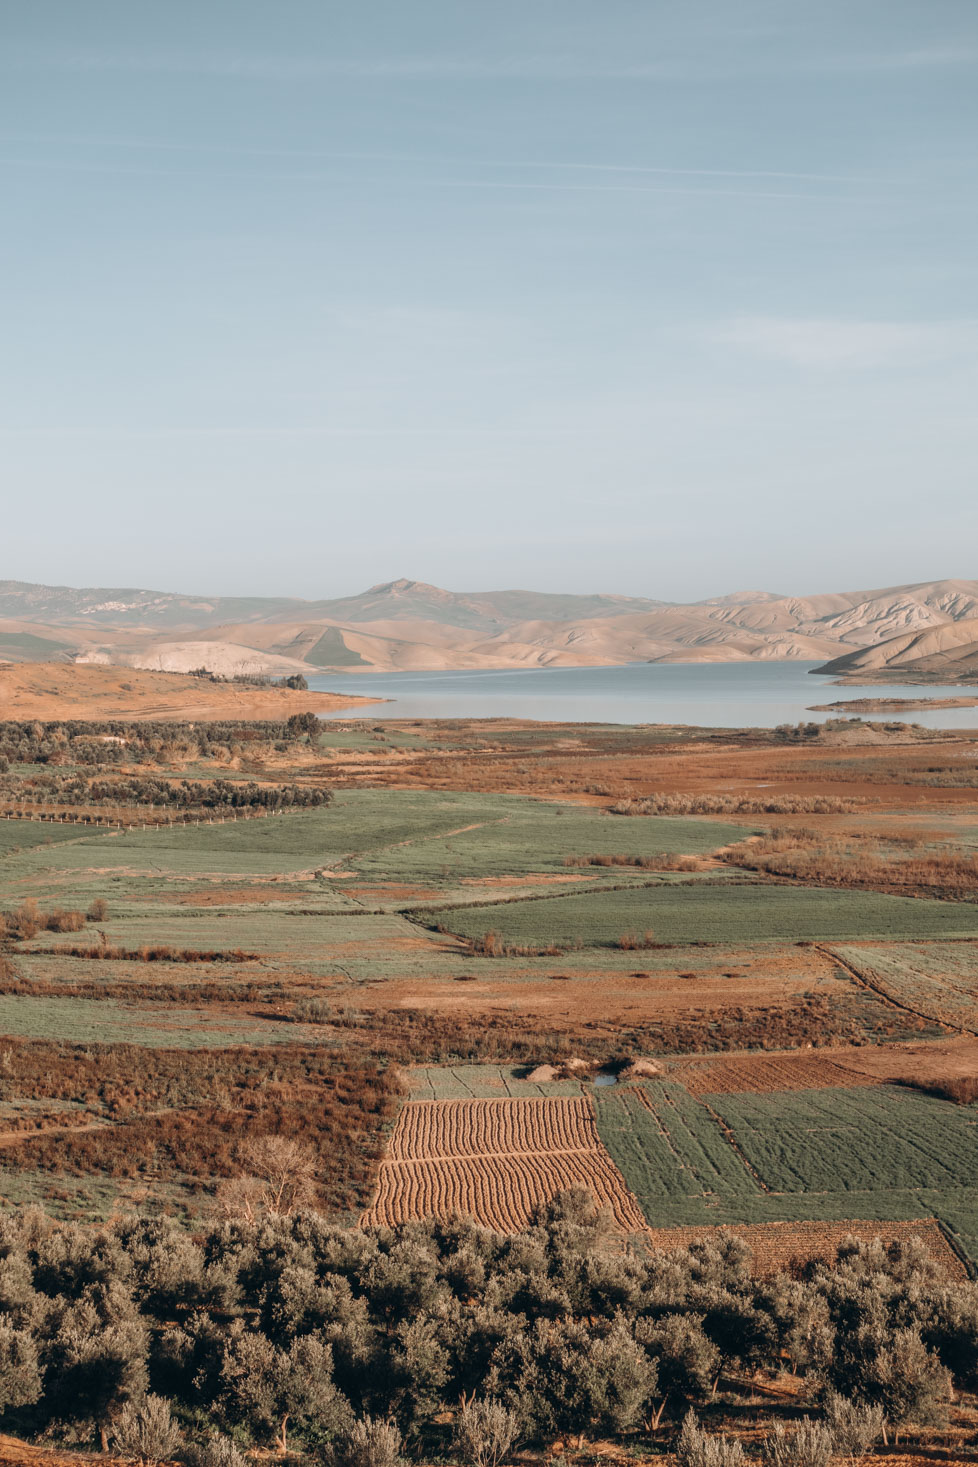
291 1013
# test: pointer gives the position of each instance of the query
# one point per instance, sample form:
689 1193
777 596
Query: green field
863 1140
396 834
23 835
672 1152
825 1155
940 979
708 912
156 1026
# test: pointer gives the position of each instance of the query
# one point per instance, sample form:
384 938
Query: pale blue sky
626 295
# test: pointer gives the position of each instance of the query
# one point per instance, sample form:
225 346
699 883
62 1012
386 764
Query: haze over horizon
639 299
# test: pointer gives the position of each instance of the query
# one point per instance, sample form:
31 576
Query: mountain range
924 628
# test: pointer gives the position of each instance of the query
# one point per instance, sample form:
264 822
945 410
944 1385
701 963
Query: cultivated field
495 1161
233 971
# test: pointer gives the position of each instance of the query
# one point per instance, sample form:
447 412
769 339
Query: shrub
855 1425
147 1431
313 1011
368 1443
696 1448
961 1089
634 942
216 1450
809 1445
98 911
485 1433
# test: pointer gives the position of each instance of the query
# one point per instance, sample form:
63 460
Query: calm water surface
716 695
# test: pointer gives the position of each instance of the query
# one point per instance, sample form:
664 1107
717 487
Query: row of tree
113 741
186 794
288 1328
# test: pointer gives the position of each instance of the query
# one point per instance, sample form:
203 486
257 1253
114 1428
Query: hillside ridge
406 625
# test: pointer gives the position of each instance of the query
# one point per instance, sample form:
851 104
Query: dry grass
666 861
961 1089
902 864
717 804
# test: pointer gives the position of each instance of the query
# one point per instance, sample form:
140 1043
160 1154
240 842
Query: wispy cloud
926 58
828 344
459 67
156 145
285 68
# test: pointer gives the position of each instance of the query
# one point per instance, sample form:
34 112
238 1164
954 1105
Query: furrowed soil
495 1161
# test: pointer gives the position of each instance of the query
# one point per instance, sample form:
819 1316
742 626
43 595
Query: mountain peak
401 585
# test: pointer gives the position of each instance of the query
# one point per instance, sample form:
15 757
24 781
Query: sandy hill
409 625
950 649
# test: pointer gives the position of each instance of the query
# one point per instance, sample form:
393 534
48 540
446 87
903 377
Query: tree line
115 741
186 794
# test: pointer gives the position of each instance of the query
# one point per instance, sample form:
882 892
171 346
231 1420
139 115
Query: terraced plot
825 1155
495 1160
729 911
762 1073
859 1140
939 979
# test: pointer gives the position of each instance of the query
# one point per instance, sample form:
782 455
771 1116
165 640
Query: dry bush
664 861
492 945
900 863
147 1432
710 804
808 1445
633 942
485 1432
98 911
158 953
961 1089
696 1448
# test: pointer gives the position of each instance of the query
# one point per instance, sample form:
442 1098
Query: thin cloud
923 59
379 68
439 160
848 344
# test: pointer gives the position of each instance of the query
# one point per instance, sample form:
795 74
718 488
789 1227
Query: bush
485 1433
369 1443
147 1431
216 1450
809 1445
696 1448
855 1426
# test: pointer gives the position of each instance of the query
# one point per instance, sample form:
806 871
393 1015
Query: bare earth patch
777 1244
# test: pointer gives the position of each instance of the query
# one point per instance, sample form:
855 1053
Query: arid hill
407 625
946 652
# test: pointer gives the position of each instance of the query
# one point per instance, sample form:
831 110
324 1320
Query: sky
634 296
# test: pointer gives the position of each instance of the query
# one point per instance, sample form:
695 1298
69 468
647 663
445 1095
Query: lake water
710 694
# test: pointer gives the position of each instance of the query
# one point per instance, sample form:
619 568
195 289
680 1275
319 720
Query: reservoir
709 694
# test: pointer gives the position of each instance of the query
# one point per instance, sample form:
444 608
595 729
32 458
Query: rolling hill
408 625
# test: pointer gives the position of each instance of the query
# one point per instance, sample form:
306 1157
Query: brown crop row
495 1161
435 1130
777 1245
759 1074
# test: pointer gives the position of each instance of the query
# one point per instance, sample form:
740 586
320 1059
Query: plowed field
495 1160
774 1245
760 1073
